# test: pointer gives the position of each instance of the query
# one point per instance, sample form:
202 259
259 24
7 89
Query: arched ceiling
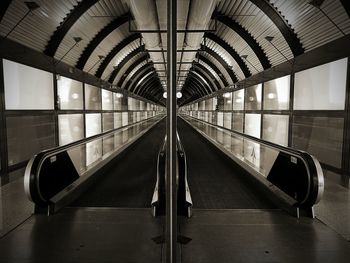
248 37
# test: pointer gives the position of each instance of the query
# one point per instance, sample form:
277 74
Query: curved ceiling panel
213 67
87 27
311 25
99 37
125 43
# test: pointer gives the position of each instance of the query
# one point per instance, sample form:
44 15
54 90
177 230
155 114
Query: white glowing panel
276 94
252 125
275 128
322 87
125 119
107 100
70 128
27 88
92 124
69 94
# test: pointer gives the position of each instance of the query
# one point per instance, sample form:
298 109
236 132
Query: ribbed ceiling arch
114 52
66 25
99 37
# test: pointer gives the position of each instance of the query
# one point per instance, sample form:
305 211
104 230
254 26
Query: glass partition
69 94
253 97
107 100
238 100
27 88
276 94
252 125
92 124
70 128
92 97
322 87
276 128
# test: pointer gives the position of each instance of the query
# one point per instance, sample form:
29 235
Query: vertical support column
171 193
346 136
3 130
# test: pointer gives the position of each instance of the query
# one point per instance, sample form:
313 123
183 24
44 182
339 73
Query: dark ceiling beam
280 22
124 61
244 34
140 72
346 5
198 80
223 44
214 67
66 25
209 74
153 90
222 62
145 71
193 87
4 5
114 52
141 59
149 80
98 38
202 87
150 89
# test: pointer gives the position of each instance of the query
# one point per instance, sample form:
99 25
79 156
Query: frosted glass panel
125 119
220 119
93 124
238 100
276 94
107 100
252 125
322 87
71 128
237 122
227 120
29 134
108 121
117 120
27 88
253 97
319 136
70 94
118 101
227 101
92 98
275 128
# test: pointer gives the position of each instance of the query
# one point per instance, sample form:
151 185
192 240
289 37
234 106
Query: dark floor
254 235
131 178
214 180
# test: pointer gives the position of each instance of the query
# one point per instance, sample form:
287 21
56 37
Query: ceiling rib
100 36
66 25
231 51
280 22
125 42
144 57
214 67
124 61
221 61
248 38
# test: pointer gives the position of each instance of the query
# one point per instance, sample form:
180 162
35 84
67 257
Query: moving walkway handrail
184 199
314 173
38 163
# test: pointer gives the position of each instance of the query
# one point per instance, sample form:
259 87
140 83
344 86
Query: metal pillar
171 193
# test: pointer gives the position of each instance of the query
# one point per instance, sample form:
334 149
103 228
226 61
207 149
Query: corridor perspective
177 131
